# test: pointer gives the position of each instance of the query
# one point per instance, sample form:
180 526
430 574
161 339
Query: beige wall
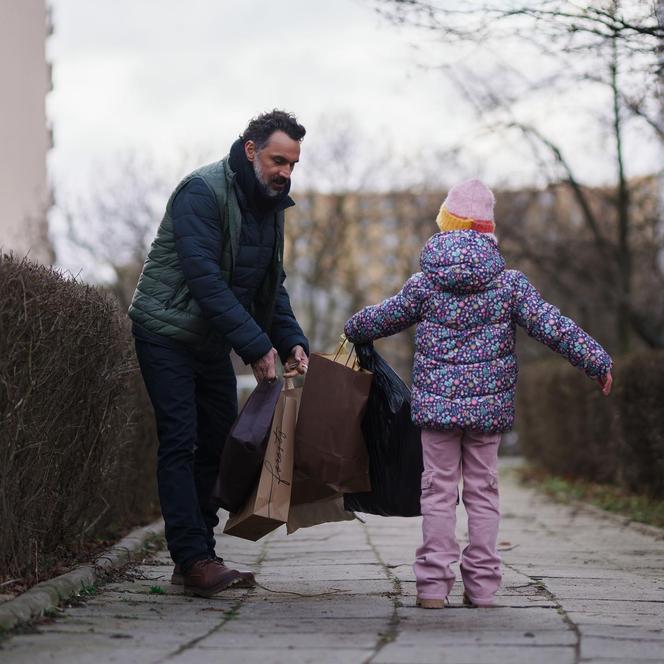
24 137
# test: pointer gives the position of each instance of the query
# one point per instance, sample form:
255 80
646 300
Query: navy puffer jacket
197 230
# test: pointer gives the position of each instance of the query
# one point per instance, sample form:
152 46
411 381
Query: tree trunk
624 326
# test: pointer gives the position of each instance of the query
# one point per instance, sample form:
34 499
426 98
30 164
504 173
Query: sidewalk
578 587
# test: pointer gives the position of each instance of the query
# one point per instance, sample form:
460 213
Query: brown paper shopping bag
268 505
326 510
313 502
329 445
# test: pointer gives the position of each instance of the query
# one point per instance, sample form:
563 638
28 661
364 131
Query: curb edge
33 603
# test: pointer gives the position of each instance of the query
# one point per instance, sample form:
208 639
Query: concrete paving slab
364 557
594 647
326 587
625 607
81 651
523 619
201 655
608 590
341 628
583 619
164 632
291 640
324 572
476 634
395 653
633 660
627 633
347 608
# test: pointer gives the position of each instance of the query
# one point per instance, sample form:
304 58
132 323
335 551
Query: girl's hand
605 382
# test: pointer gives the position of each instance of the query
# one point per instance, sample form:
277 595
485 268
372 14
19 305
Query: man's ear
250 150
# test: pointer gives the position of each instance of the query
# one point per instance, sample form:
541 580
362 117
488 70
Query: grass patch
156 590
635 507
88 590
233 613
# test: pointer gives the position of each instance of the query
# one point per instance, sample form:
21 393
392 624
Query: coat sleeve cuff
286 346
254 351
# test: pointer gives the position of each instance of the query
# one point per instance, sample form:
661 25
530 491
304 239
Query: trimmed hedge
77 439
569 428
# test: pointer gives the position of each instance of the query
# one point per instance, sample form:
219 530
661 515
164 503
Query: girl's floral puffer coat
467 307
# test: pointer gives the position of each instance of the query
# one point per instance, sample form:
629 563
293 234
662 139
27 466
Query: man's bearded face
274 186
274 163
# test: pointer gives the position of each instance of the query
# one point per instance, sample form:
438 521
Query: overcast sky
165 77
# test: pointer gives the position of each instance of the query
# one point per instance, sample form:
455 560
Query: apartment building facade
25 137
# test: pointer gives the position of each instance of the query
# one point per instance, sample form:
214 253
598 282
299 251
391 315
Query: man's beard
267 188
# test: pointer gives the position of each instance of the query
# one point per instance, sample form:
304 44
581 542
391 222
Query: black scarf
255 194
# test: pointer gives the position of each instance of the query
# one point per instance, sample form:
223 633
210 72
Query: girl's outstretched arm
544 322
390 316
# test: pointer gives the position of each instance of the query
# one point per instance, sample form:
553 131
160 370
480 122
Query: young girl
467 306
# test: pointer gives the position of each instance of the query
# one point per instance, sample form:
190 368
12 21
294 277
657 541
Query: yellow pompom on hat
468 207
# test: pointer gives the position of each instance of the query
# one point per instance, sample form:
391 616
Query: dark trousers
194 396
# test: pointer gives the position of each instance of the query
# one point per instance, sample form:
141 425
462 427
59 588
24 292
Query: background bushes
569 428
77 439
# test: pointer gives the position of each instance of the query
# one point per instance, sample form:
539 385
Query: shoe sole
237 582
248 580
245 582
207 593
430 603
471 605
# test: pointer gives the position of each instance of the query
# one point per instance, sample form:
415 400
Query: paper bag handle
343 341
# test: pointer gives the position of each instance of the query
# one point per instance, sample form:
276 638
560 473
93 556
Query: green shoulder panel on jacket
162 303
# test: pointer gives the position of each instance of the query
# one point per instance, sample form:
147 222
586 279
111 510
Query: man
212 282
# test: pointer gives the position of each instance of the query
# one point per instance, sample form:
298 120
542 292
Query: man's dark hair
263 126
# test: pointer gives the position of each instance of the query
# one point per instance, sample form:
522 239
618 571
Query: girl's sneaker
475 605
430 603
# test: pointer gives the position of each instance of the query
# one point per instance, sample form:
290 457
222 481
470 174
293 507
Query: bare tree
111 226
613 47
356 233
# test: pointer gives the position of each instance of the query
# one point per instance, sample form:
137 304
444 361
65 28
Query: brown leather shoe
208 577
177 578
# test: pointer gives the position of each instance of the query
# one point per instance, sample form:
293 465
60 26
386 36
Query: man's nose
285 171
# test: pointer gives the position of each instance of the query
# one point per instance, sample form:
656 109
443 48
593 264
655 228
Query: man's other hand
266 367
297 362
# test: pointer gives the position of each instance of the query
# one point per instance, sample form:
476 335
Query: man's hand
297 362
605 382
266 367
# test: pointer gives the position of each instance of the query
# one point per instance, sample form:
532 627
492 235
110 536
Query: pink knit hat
468 206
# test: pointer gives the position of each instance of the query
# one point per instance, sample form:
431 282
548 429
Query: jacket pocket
427 480
180 294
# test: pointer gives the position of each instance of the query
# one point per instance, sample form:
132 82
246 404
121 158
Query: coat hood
461 261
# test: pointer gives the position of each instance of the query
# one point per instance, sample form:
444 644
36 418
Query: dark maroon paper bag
244 449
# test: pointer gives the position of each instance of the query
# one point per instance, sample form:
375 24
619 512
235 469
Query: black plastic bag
244 449
393 442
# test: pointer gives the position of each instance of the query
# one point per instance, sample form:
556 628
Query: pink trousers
447 456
